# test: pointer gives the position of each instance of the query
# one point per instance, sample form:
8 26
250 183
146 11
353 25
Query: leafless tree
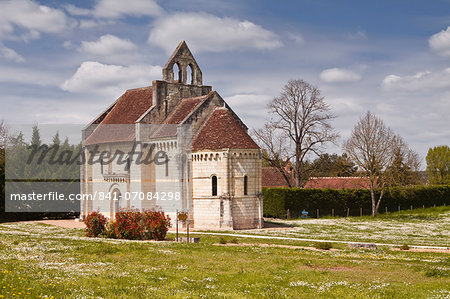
301 116
3 134
275 146
373 147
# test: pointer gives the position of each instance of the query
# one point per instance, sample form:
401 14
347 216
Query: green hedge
277 201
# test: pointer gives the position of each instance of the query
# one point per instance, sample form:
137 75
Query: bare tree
275 146
373 147
303 118
3 134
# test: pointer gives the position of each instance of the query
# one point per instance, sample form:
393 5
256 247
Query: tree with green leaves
438 165
334 165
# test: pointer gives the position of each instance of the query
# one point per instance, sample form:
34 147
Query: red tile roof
183 109
272 177
337 183
222 130
118 125
130 106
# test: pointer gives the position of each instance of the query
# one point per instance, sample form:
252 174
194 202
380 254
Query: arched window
190 75
116 198
245 185
177 73
214 185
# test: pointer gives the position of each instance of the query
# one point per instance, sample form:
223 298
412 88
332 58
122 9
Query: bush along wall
290 202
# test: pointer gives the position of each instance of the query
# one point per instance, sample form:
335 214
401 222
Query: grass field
418 227
39 260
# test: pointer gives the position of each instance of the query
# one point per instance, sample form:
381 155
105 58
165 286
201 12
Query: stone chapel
212 165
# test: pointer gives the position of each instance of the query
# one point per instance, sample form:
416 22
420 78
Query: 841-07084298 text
157 196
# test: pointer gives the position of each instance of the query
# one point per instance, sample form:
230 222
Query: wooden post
348 212
411 207
317 213
177 225
187 228
332 212
434 205
360 212
386 209
399 208
288 214
423 206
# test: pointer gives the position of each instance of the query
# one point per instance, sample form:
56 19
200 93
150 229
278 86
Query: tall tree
36 136
302 120
438 165
374 148
3 134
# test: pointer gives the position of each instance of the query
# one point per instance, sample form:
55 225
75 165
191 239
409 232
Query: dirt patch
273 245
64 223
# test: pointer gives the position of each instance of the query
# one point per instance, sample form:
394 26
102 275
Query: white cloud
110 48
205 32
86 24
338 75
10 55
31 16
440 42
421 81
114 9
95 77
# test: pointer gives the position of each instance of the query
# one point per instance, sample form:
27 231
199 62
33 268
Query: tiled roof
130 106
222 130
118 125
183 109
272 177
337 183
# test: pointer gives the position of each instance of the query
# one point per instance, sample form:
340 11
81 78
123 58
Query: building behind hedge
217 172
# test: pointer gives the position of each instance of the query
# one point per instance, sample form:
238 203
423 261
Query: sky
64 62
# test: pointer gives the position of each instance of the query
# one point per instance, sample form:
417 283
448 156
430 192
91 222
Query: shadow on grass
272 224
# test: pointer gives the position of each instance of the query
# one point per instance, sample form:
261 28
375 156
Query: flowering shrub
155 224
95 224
128 225
136 225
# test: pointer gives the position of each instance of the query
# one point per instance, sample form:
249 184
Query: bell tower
185 61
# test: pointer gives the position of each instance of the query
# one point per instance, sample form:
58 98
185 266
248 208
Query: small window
214 185
167 167
245 185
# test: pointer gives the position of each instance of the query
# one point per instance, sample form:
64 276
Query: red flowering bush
128 225
136 225
95 224
156 224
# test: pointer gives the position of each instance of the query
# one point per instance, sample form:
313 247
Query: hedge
277 201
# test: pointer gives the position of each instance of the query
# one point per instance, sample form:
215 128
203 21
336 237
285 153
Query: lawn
418 227
40 260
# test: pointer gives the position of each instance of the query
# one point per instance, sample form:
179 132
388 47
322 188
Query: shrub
137 225
278 200
128 225
323 245
155 225
222 240
95 224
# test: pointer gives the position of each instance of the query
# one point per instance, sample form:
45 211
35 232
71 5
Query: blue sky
64 62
